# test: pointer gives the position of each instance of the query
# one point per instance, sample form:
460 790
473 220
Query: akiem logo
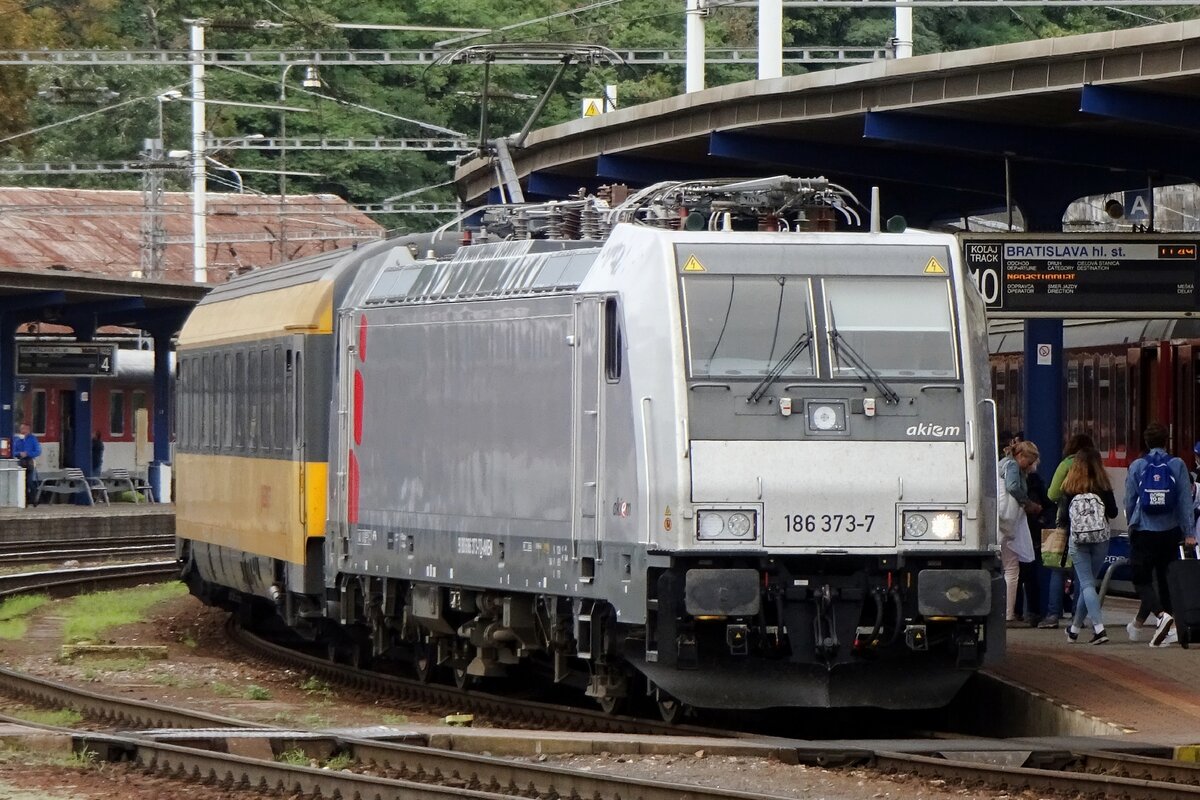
929 429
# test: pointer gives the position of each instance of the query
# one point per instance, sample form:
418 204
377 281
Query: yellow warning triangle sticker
693 265
667 513
591 110
934 268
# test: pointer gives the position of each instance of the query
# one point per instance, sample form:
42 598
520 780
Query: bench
71 482
121 480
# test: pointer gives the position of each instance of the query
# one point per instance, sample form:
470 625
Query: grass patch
314 721
172 681
257 693
87 617
14 614
395 719
22 605
98 668
61 718
339 762
222 689
314 685
296 757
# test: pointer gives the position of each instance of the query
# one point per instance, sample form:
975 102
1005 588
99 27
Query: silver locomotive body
732 469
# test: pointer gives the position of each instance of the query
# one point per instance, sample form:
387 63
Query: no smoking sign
1043 355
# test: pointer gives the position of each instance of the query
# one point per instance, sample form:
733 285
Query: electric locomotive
677 446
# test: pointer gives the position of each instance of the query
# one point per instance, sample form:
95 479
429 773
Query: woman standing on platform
1016 544
1087 505
1054 595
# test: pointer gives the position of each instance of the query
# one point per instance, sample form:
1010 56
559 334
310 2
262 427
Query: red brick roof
100 231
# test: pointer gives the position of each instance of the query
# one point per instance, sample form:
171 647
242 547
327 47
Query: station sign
58 360
1079 276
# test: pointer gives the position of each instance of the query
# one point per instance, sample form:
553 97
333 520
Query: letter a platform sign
1074 276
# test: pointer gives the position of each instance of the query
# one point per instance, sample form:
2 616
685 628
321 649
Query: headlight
714 525
937 526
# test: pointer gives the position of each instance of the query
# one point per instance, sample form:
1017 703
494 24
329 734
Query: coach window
612 341
229 391
1120 407
1104 437
38 415
254 390
239 407
116 412
280 400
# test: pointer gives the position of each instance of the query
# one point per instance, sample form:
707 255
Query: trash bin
12 483
160 481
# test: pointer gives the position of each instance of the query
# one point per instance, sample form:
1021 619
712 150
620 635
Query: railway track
67 582
390 770
515 712
51 550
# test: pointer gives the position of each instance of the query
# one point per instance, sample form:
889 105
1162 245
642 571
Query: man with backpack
1158 505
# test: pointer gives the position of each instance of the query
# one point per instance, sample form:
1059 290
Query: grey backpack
1089 525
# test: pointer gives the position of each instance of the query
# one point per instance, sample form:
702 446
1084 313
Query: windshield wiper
785 361
859 363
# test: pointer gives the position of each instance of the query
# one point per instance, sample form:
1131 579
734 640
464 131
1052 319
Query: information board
38 359
1071 275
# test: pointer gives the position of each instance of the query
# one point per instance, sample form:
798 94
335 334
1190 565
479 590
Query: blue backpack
1157 492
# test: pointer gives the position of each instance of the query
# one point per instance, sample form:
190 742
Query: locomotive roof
496 269
297 297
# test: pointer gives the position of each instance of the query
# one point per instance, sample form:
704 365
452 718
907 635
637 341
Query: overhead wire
339 101
85 115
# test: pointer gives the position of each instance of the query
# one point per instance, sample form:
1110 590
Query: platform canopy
942 135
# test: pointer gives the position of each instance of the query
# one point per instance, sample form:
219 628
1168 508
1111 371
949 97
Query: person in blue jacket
1154 538
26 448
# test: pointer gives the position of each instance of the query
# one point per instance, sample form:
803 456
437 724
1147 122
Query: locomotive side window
612 341
900 328
739 325
116 412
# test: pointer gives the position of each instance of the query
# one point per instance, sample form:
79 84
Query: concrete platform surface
1153 692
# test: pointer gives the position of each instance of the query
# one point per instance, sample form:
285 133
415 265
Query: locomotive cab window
612 341
740 325
897 328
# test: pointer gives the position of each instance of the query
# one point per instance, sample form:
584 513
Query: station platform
68 522
1122 687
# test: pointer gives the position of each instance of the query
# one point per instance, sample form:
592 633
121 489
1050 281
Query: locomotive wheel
424 663
670 709
462 680
612 705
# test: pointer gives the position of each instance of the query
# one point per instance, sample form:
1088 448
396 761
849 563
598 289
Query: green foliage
339 762
59 718
295 756
314 685
403 102
97 669
22 605
14 613
87 617
254 692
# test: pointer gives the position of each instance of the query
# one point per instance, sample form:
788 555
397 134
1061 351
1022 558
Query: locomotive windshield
899 328
744 325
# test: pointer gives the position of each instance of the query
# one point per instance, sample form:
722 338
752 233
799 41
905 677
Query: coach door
586 398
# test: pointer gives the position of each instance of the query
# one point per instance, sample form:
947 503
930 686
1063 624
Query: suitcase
1183 581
